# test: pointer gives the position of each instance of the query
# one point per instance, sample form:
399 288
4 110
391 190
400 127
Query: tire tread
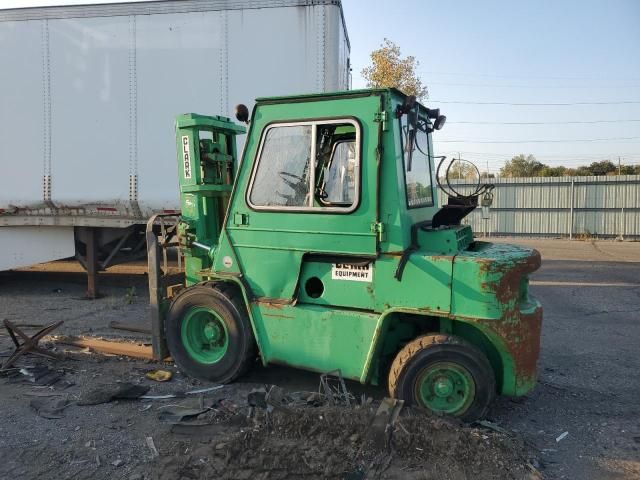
411 349
231 294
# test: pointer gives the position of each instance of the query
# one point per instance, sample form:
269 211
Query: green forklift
324 248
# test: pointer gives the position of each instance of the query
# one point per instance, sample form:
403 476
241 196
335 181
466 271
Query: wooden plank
109 347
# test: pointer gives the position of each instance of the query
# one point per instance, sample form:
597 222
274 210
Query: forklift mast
207 150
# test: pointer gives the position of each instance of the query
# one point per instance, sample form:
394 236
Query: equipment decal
349 271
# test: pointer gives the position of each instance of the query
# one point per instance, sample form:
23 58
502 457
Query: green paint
282 261
445 387
204 335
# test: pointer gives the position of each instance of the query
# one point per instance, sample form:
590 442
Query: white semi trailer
88 98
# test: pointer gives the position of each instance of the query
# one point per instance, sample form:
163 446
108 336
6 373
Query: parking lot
588 387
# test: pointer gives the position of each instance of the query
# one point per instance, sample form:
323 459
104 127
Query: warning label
348 271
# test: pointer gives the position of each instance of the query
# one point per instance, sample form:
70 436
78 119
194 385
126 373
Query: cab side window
284 166
307 166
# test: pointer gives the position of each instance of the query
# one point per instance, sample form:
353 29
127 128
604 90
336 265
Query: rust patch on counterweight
519 331
522 340
508 285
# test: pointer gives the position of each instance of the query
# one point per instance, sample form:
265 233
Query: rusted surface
521 337
510 283
268 302
507 286
398 254
441 258
275 315
519 331
516 319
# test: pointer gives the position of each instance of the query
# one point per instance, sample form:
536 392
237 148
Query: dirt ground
589 387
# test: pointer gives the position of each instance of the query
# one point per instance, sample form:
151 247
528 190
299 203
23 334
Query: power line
552 163
571 122
529 77
564 155
540 141
491 85
496 164
558 104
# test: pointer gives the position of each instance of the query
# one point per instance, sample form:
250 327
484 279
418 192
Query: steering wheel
299 187
284 176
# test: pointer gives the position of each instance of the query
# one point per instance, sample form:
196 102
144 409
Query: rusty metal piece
29 343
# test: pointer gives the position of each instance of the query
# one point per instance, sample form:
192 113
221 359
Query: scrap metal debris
152 447
41 375
178 413
299 435
49 408
181 394
30 344
117 391
492 426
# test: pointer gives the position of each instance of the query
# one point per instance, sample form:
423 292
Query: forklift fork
161 234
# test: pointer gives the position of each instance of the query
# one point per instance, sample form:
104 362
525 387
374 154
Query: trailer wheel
208 333
444 375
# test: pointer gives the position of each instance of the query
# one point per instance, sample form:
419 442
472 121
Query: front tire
208 333
444 375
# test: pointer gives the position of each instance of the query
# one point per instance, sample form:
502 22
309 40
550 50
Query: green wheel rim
204 335
445 388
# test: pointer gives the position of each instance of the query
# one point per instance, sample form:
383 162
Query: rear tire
209 334
444 375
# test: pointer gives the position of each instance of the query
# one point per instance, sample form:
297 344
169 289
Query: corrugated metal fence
561 206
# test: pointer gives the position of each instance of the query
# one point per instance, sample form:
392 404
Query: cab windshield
416 150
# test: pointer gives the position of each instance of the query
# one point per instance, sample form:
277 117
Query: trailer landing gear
92 264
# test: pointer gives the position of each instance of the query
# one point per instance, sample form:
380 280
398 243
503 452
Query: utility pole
619 166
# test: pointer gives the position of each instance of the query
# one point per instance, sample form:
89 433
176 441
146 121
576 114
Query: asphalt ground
589 368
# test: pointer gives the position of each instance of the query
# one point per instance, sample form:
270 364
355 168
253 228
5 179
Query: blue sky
517 52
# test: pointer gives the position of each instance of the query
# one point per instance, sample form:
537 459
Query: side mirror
433 113
406 107
439 123
242 113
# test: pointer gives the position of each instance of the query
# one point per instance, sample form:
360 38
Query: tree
548 171
630 169
389 69
522 166
602 168
462 169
